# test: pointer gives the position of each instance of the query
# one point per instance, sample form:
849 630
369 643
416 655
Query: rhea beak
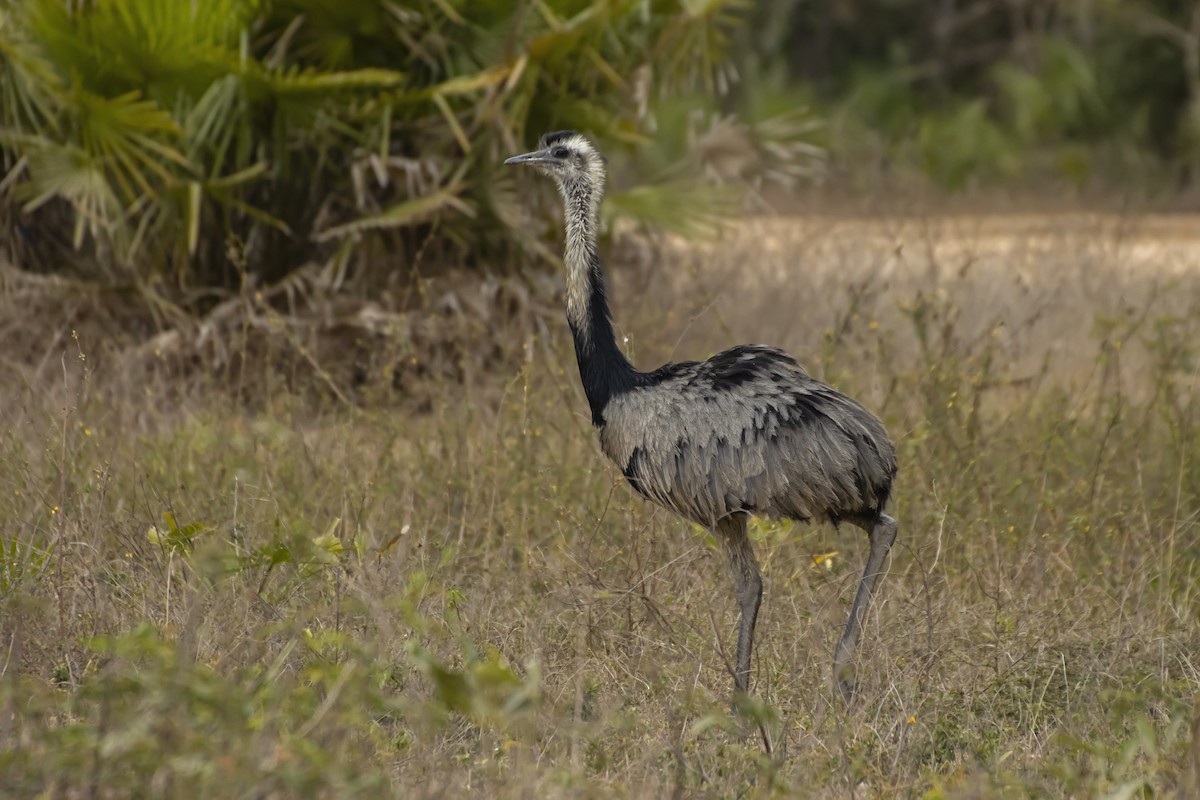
536 158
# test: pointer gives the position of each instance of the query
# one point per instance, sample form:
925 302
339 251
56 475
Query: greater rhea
746 432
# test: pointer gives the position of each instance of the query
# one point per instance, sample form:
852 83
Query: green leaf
310 81
465 84
408 213
452 121
243 176
192 215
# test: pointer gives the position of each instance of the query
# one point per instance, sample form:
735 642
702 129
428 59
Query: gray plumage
746 432
749 431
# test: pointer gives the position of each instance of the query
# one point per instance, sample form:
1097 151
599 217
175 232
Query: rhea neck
603 368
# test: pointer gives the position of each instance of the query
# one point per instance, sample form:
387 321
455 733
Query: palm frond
170 127
66 172
309 82
125 134
406 214
29 84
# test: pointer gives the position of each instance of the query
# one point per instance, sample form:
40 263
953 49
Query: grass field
336 560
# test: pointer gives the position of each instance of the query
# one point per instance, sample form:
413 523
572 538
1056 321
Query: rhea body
746 432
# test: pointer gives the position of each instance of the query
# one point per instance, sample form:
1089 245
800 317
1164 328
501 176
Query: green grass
207 592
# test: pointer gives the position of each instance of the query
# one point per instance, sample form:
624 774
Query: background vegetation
145 139
298 495
173 144
978 91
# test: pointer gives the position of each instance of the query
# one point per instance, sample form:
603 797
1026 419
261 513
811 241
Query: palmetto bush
202 142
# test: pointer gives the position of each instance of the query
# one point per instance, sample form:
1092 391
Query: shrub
156 140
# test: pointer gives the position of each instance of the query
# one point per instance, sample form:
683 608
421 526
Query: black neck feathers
603 368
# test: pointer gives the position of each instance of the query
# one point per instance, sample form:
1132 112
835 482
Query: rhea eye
560 152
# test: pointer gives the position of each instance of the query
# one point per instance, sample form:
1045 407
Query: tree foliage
208 143
979 89
192 141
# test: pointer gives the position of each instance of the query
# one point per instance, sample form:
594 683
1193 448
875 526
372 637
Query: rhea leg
882 532
747 586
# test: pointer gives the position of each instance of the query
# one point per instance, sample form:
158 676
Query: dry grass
204 596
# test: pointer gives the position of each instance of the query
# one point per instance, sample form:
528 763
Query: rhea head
571 160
